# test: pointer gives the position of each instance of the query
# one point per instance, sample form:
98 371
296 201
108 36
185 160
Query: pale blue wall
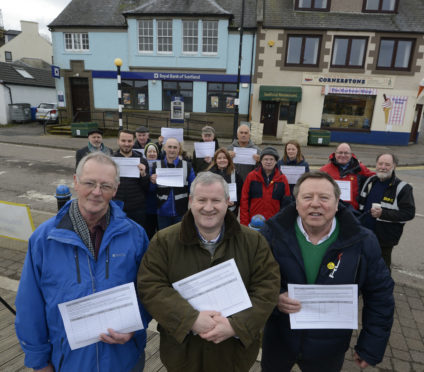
155 95
105 94
199 96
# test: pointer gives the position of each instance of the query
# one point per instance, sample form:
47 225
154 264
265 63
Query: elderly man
348 171
143 138
95 143
386 204
172 201
265 190
132 191
243 140
318 240
88 247
201 164
209 234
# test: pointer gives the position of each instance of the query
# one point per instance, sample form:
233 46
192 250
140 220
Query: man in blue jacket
88 247
319 241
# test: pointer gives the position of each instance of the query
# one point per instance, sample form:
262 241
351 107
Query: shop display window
177 88
221 97
135 94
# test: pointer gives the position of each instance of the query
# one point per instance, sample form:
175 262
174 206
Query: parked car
46 112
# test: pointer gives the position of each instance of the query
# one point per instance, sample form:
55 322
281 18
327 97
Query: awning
276 93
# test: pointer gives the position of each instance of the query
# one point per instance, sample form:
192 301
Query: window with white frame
210 37
164 36
145 35
76 41
383 6
190 36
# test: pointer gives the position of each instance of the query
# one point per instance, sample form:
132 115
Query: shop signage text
348 80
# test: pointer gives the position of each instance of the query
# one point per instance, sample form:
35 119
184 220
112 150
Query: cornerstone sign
348 80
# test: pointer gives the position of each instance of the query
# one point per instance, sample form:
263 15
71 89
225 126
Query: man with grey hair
208 235
318 240
243 140
386 203
88 247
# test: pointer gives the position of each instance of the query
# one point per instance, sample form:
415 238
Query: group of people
311 236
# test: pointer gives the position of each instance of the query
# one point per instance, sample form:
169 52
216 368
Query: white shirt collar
324 238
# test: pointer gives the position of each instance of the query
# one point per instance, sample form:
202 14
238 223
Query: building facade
352 67
168 49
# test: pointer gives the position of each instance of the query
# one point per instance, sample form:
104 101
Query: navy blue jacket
360 263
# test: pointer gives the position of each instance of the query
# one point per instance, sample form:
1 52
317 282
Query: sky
41 11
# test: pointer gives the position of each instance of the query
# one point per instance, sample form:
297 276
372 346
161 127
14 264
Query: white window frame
190 39
206 38
145 36
76 41
163 33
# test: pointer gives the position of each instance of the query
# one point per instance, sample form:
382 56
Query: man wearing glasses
349 173
88 247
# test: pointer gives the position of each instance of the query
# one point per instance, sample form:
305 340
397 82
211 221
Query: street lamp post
236 104
118 64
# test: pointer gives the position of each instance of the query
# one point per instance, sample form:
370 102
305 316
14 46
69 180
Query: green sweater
313 254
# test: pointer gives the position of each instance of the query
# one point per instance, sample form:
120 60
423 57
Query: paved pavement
405 351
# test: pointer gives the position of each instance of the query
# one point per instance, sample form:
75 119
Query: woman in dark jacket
293 157
222 164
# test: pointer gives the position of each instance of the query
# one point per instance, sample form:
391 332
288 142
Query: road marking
68 156
418 276
32 194
419 215
2 172
9 284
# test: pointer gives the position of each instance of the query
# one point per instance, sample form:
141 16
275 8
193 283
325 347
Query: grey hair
394 157
209 178
243 125
100 158
317 175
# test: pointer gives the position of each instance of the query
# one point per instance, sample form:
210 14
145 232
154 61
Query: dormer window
323 5
380 6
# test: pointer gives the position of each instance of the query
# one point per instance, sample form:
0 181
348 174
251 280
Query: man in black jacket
386 204
319 241
95 143
132 191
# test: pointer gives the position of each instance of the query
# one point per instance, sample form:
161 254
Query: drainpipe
10 91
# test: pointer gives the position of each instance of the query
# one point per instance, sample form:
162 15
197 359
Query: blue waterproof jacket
359 255
58 268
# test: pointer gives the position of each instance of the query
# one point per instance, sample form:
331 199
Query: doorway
269 116
80 95
416 123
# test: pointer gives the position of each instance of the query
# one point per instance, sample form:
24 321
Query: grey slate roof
281 14
110 13
9 75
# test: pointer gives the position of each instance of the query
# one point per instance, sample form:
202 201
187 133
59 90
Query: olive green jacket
174 254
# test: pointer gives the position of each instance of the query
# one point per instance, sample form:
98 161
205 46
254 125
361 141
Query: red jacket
259 198
356 173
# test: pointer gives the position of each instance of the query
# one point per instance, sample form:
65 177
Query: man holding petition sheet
90 246
318 241
134 183
195 336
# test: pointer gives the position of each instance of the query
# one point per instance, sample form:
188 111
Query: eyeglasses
91 185
342 153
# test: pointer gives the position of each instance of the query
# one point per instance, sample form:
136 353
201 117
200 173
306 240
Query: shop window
395 54
135 94
221 97
190 36
288 112
145 35
303 50
380 6
312 5
349 52
164 36
177 88
347 112
76 41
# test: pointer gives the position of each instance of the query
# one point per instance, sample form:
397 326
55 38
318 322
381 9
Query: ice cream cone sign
420 87
387 107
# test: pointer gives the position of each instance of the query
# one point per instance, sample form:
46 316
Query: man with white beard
386 204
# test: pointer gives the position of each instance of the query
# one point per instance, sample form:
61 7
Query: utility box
82 129
20 112
319 137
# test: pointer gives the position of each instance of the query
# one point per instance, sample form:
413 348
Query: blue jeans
165 221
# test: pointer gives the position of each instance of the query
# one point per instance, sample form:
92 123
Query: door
269 117
80 99
416 123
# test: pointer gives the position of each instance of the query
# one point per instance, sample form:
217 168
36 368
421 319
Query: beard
383 176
